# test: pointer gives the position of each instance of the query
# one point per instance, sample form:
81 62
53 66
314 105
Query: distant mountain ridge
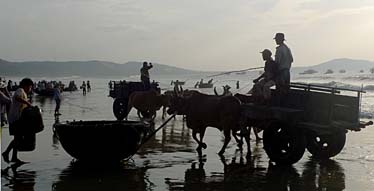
96 68
349 65
92 68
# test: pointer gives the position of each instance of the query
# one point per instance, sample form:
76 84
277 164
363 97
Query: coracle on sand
101 140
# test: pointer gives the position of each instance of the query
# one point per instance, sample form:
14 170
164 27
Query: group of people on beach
276 72
12 104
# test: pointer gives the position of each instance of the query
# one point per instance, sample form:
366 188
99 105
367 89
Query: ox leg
227 134
239 141
194 135
163 112
247 140
202 133
255 131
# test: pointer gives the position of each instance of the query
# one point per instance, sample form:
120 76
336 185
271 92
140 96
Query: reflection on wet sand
18 179
82 176
240 174
173 139
323 175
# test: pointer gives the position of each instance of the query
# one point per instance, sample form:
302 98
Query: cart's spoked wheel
325 146
120 108
284 144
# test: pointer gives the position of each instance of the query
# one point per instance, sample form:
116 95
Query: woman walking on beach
19 103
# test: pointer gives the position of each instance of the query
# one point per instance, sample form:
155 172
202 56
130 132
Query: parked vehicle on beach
310 117
121 91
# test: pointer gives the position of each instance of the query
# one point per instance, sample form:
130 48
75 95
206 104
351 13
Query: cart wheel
283 144
120 108
325 146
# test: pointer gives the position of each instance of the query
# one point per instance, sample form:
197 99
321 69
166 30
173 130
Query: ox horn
176 91
215 92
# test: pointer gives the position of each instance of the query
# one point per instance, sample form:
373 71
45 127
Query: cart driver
265 81
144 75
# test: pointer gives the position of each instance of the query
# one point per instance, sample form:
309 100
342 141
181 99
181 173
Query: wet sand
169 160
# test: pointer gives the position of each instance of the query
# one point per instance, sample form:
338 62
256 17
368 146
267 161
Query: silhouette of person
284 59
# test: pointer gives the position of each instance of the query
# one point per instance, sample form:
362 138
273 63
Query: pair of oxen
201 110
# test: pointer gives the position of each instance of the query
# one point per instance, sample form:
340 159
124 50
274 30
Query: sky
195 34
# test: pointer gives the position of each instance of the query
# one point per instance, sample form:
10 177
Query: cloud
200 34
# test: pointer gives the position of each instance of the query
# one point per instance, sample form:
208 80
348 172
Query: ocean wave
345 85
339 85
360 78
367 115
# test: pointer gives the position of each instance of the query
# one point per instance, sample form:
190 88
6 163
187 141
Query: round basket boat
100 140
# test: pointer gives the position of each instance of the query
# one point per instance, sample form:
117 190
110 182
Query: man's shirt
283 57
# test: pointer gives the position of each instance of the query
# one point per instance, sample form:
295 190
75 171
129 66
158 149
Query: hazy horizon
201 35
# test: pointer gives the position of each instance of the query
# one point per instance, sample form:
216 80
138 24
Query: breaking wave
346 86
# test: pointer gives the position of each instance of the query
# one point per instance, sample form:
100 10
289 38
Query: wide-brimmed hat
279 36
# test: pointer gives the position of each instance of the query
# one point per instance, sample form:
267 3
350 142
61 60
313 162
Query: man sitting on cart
262 84
144 75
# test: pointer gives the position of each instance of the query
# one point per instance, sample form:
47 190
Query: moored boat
205 85
44 92
101 140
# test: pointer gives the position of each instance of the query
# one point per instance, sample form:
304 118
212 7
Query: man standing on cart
284 59
144 75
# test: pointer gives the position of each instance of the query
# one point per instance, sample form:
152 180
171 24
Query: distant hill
349 65
83 68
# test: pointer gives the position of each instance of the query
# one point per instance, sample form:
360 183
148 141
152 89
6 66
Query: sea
169 161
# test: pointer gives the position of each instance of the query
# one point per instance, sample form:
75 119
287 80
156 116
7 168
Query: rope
223 73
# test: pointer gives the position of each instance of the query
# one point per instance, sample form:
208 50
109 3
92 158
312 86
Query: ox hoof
248 156
203 145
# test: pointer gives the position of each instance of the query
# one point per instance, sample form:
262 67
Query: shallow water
169 160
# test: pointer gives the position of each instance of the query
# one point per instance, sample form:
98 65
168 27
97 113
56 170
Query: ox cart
310 117
121 91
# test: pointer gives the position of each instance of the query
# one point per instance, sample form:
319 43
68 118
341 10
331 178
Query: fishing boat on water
44 92
205 85
177 82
